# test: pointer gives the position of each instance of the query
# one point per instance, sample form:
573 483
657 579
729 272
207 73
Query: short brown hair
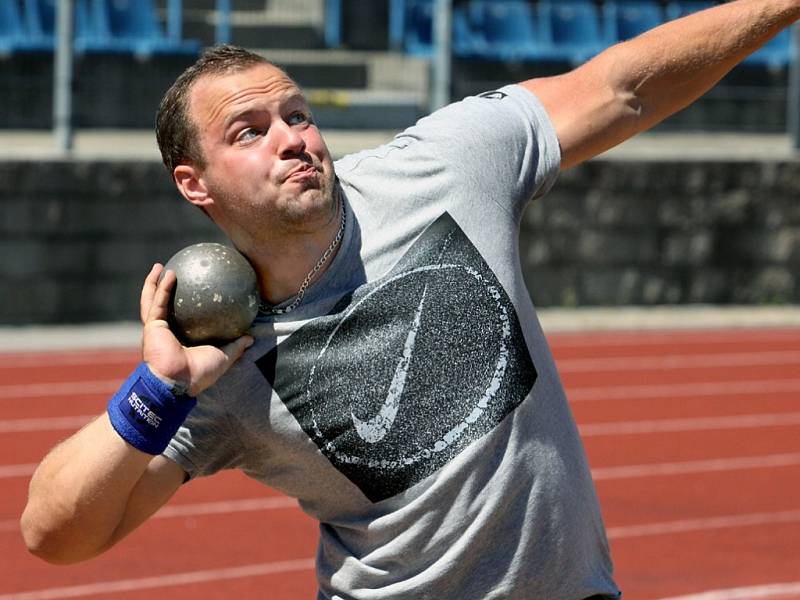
176 132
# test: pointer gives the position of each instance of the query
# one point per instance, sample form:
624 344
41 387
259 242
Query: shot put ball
215 298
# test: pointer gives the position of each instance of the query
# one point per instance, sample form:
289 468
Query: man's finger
236 348
148 290
159 305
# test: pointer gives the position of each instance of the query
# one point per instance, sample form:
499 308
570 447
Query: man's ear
192 185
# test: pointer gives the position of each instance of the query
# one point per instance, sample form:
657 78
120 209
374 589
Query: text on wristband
141 412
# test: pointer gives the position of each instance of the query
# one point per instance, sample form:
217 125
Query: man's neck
283 268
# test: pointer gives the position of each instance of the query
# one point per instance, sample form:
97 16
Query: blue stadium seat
11 28
625 19
15 35
418 35
573 29
40 19
775 54
104 26
468 39
131 26
510 29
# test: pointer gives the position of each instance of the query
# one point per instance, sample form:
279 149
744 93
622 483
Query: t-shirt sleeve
499 146
501 142
205 443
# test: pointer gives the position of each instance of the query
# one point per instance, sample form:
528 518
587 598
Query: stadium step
359 89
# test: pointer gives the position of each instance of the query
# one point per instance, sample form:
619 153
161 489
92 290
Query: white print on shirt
376 428
408 370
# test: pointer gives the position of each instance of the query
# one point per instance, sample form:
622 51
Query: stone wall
108 91
77 238
622 233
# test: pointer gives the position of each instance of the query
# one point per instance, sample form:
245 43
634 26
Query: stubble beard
285 215
309 210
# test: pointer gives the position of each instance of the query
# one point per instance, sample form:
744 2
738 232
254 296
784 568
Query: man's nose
289 141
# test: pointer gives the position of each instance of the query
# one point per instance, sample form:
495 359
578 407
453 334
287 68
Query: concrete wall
107 91
77 238
617 233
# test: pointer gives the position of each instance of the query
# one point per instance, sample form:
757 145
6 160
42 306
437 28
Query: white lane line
225 506
10 471
9 525
58 390
768 461
44 424
586 429
199 509
688 525
52 359
693 424
770 590
683 390
670 338
677 361
164 581
575 393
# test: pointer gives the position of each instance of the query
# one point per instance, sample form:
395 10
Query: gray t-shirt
411 403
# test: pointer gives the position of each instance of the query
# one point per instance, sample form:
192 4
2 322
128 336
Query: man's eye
297 118
248 135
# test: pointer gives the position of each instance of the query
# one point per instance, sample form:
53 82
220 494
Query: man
396 380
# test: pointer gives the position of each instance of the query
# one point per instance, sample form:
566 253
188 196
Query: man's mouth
302 173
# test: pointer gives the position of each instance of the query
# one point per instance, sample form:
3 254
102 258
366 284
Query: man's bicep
157 485
589 116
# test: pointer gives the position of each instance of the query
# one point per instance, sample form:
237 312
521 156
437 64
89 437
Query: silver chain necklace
271 310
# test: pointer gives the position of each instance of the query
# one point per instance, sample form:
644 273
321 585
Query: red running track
693 438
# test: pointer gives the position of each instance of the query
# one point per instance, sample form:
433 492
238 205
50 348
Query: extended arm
634 85
95 488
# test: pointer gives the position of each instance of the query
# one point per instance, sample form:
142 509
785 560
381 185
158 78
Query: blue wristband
146 413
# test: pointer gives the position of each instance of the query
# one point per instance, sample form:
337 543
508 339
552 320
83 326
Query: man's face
267 165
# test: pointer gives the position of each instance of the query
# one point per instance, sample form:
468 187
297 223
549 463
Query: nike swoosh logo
375 429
